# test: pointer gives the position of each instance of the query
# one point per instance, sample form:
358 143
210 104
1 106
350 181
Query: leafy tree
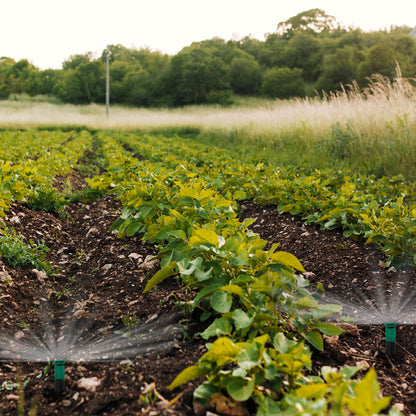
380 59
250 45
308 50
311 21
338 68
283 83
135 75
84 85
304 51
7 79
119 70
15 76
245 75
77 60
194 75
405 47
144 88
272 53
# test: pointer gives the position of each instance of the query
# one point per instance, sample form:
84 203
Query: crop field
177 272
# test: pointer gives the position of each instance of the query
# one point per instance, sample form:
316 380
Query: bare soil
101 277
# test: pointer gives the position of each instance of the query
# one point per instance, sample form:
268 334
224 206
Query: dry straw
368 112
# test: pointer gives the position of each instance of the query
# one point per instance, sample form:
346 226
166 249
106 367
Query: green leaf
203 236
282 343
241 319
188 267
307 303
204 392
239 195
221 352
315 339
162 274
325 310
221 301
133 227
236 290
287 259
367 401
350 371
186 375
220 326
328 329
330 374
311 390
208 291
239 388
202 276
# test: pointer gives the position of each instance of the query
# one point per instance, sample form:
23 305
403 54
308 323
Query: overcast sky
47 32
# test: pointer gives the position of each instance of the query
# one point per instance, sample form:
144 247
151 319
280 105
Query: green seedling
45 371
130 321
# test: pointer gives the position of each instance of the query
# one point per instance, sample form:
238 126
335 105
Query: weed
127 367
79 258
45 371
20 385
130 321
64 291
150 396
85 196
17 254
44 198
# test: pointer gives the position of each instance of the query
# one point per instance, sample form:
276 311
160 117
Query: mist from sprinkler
80 341
389 306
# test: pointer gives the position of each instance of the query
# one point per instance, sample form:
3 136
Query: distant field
374 132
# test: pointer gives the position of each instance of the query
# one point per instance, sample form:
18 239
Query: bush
283 83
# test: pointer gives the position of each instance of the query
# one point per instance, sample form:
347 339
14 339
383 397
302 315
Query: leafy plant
150 396
261 317
46 199
130 321
16 253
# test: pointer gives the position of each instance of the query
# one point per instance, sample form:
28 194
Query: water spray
59 376
390 338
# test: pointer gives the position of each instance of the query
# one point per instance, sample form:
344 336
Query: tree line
309 53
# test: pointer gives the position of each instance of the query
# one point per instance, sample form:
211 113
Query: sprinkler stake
390 338
59 376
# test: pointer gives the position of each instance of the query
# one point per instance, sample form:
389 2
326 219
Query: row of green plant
380 210
18 145
27 173
258 310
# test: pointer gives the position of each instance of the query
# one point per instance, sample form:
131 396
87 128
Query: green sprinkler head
59 376
390 338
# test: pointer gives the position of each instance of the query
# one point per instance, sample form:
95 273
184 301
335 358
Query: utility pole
107 84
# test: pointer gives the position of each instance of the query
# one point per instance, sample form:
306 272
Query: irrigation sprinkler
390 338
59 376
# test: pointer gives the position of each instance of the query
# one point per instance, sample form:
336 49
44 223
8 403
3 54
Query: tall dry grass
373 130
369 111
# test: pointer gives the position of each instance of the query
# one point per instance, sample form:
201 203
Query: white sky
47 32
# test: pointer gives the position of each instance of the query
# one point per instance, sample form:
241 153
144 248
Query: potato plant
29 162
261 317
